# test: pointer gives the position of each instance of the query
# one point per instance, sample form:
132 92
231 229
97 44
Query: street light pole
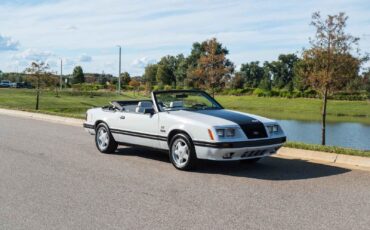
119 71
61 75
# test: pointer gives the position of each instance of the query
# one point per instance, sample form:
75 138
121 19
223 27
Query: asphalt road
52 177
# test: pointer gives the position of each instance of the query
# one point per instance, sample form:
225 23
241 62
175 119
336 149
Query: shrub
167 87
261 93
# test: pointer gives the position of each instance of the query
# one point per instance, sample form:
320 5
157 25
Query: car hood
218 117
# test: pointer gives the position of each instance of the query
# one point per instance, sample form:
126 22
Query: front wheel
182 152
104 140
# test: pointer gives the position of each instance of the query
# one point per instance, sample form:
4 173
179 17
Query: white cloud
34 55
68 62
251 30
142 62
70 27
8 44
85 58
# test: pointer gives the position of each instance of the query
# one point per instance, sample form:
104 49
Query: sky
87 33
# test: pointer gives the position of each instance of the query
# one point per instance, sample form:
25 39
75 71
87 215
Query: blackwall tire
182 152
104 140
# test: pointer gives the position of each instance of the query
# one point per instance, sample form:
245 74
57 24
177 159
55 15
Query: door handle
122 117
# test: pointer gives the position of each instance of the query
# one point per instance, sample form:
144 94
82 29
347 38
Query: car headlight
229 132
273 128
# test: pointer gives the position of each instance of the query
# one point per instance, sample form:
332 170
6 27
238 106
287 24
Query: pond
343 134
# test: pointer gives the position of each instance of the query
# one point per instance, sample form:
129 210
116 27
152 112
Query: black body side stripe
137 134
239 144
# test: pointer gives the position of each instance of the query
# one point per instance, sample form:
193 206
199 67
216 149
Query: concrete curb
323 157
43 117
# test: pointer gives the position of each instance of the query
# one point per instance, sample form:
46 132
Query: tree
150 74
237 82
329 64
166 70
39 76
134 84
181 70
283 70
253 73
78 75
125 78
265 82
213 67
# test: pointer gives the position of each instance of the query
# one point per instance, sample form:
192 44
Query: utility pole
61 74
119 71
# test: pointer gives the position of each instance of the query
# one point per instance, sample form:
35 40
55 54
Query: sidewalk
339 160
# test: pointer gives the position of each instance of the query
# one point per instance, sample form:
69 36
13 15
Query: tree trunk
323 122
37 93
37 99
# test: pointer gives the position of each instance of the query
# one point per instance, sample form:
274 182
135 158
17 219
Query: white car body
155 129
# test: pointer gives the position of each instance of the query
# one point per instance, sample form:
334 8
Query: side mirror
149 111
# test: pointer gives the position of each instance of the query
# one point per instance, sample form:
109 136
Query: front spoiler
241 144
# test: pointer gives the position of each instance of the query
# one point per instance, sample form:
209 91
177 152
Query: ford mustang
188 124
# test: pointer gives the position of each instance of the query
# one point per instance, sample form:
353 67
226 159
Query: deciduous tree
78 75
39 75
330 62
213 67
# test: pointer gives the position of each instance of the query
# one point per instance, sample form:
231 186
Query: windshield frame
205 94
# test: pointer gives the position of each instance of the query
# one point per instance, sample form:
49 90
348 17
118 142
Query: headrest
146 104
176 104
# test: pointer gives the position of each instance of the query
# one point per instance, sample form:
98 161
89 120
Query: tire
250 161
182 152
104 140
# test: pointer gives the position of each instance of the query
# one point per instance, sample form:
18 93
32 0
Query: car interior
143 106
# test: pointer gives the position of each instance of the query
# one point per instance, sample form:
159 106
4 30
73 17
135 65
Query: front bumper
239 150
89 128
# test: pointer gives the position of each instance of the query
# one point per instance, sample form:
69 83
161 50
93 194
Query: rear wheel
182 152
104 140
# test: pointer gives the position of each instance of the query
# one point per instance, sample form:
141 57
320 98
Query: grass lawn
299 108
66 105
273 107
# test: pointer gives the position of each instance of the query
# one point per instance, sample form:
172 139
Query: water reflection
344 134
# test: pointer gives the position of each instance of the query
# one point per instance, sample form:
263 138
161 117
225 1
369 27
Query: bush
261 92
167 87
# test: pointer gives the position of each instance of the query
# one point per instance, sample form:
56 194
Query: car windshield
185 100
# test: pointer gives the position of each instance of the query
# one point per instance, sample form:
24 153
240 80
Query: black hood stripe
240 119
251 127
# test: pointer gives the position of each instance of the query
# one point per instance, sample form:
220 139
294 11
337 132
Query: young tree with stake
330 64
39 76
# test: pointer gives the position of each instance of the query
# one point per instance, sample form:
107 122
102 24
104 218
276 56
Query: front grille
254 130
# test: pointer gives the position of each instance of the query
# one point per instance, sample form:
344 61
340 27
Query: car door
136 128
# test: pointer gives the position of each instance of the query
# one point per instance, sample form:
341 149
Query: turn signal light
210 134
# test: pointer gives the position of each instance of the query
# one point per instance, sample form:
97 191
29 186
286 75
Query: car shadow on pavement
270 168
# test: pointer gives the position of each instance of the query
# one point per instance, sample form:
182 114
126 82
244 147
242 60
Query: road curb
43 117
323 157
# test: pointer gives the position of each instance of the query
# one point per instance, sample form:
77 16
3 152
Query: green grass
299 108
65 105
329 149
272 107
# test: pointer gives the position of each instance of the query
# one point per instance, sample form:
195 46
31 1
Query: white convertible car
189 124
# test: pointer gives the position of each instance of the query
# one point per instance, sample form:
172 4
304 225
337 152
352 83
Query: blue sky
87 33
